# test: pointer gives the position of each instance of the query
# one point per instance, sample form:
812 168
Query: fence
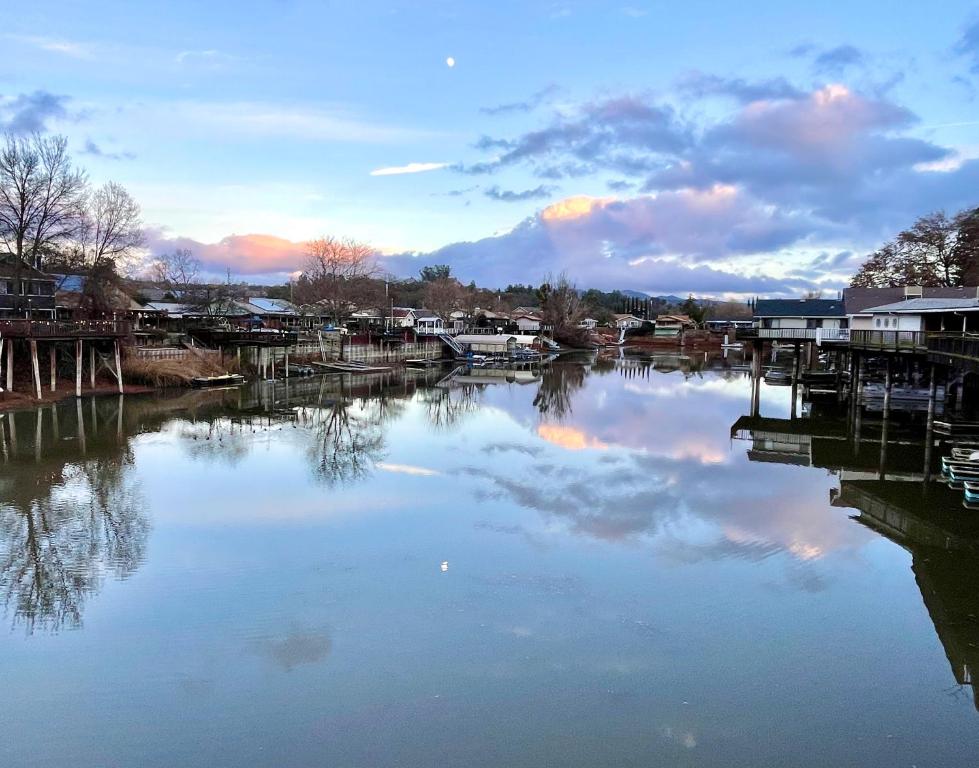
174 353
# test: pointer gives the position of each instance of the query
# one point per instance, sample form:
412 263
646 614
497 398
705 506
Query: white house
527 322
589 323
627 321
429 324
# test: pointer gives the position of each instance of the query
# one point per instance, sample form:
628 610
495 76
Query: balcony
818 335
63 329
912 342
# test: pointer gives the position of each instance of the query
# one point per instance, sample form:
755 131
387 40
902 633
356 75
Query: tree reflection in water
447 408
558 386
66 520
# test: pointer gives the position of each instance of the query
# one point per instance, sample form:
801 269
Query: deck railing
800 334
962 346
60 329
890 341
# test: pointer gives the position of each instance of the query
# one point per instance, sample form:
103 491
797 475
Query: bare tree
113 227
42 197
563 308
339 274
442 295
178 271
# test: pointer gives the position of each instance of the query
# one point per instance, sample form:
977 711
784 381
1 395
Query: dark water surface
593 564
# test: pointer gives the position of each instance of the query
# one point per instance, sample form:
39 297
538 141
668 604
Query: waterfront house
672 326
24 290
427 322
786 314
859 303
588 323
526 321
498 343
627 321
916 314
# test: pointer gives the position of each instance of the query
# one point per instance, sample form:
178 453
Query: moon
450 62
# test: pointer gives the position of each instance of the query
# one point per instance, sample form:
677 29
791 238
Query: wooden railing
800 334
944 347
60 329
890 341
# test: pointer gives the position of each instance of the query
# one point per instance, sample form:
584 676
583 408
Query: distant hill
671 299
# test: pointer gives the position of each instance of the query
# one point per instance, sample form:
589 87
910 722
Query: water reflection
68 517
604 537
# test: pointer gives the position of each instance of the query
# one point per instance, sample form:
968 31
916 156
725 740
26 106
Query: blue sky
716 148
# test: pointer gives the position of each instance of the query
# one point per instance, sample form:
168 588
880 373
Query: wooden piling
78 368
53 360
91 364
118 364
36 368
10 365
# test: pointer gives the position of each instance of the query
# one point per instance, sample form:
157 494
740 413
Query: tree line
52 218
937 250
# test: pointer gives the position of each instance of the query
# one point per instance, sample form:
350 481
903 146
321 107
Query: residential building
859 301
24 290
672 325
784 314
627 321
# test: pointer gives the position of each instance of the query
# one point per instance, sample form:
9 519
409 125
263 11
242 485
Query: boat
778 378
877 391
350 367
225 380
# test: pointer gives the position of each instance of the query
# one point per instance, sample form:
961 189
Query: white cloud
55 45
397 170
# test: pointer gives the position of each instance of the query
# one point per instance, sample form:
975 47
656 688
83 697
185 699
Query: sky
758 148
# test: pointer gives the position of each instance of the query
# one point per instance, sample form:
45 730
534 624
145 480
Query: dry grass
167 373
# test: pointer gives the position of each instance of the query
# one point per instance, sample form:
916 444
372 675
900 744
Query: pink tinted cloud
253 254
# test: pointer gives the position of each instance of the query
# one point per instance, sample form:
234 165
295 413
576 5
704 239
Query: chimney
913 292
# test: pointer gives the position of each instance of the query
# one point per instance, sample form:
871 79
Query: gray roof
858 300
927 305
799 308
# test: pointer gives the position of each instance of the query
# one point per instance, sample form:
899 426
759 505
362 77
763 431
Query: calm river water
598 563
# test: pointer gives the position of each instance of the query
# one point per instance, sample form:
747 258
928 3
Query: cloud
244 255
528 105
264 119
398 170
968 45
70 48
210 58
508 196
663 243
700 85
31 112
619 133
93 149
295 649
835 61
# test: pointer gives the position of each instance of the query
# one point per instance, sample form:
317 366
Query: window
877 322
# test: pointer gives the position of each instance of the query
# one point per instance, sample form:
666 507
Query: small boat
778 378
226 380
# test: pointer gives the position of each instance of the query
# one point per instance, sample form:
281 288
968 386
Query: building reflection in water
887 465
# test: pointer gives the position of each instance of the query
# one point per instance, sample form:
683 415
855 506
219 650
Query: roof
927 305
800 308
10 268
675 319
527 314
260 305
858 300
626 316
